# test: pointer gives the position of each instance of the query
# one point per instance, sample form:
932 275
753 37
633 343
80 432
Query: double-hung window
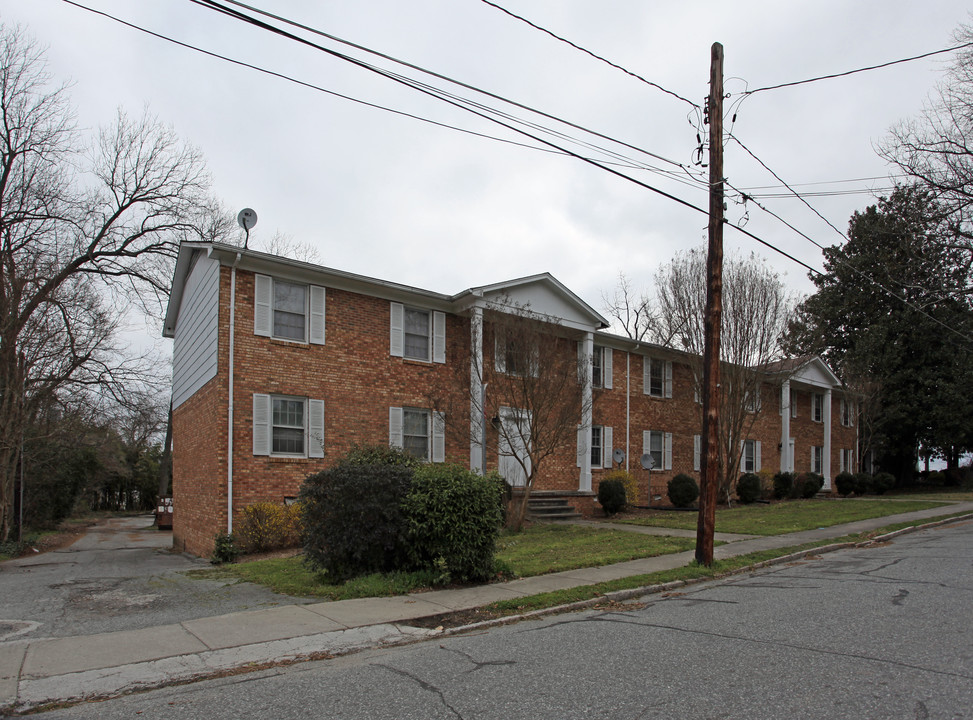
419 432
659 446
847 413
288 426
288 310
817 408
846 461
596 446
817 459
750 461
598 368
657 377
418 334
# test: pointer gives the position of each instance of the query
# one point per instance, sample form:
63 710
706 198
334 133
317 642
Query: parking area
120 575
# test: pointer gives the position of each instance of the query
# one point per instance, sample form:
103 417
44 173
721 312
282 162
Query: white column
826 460
785 425
584 483
476 389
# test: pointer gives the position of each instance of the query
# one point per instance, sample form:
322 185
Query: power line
859 70
418 68
588 52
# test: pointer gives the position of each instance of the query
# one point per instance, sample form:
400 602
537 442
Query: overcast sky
403 200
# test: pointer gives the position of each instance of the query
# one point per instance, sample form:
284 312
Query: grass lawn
537 550
785 517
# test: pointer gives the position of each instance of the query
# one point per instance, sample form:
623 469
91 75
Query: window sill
290 460
289 343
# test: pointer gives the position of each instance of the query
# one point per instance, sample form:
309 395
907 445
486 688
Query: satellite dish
648 462
619 456
247 218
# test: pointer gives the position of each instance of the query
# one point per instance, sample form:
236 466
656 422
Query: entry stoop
546 509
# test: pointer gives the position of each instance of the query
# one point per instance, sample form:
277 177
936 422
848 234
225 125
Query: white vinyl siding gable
313 311
195 342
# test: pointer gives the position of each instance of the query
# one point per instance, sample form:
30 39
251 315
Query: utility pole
706 524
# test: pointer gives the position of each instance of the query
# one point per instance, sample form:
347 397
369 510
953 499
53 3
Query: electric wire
588 52
440 76
859 70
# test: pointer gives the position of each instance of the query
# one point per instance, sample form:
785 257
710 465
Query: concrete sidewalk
40 671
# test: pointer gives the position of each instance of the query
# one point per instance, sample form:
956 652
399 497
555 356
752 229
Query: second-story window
817 407
290 305
598 367
417 334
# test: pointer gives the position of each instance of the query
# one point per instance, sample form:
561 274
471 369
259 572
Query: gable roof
543 293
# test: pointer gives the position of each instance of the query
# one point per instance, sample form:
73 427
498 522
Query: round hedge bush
783 482
611 495
748 488
844 483
683 490
811 486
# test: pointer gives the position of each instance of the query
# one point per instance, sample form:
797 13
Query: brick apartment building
280 367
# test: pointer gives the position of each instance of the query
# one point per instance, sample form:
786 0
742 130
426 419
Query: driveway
121 575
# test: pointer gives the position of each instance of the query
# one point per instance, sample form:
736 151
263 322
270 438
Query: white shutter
397 331
261 424
315 429
667 451
316 323
646 374
697 452
668 389
606 445
606 368
582 444
757 459
438 437
395 427
439 338
812 458
757 400
646 441
263 310
780 410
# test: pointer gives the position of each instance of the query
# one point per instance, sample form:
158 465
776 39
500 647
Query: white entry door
514 441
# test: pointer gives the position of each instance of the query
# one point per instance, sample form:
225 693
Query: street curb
621 595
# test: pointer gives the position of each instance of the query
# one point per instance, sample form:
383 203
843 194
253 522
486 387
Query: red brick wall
358 379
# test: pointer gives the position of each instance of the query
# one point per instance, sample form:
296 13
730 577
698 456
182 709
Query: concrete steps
548 509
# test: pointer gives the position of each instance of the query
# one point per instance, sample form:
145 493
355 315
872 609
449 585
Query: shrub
683 490
224 549
952 477
766 483
783 484
748 488
353 520
937 478
453 518
810 484
628 482
863 483
844 483
882 482
380 455
268 526
611 495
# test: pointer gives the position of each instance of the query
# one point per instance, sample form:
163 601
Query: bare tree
936 150
86 230
756 310
630 310
534 399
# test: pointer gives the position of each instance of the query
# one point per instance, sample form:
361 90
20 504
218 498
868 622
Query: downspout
229 421
628 407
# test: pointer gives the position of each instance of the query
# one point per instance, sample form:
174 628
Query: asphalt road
121 575
880 632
